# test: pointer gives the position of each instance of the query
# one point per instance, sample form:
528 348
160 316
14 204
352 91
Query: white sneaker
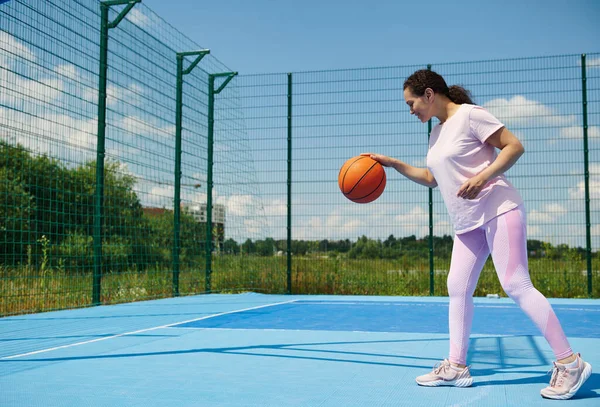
565 382
443 374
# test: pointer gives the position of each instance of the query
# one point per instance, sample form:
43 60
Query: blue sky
333 121
280 36
291 36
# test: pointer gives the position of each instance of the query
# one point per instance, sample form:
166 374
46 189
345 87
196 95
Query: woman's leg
469 253
507 238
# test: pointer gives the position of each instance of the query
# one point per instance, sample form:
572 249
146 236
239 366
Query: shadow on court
504 368
590 388
259 351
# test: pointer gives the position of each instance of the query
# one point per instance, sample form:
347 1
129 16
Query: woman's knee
514 288
457 287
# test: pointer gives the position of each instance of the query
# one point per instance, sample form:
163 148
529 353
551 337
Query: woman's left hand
472 187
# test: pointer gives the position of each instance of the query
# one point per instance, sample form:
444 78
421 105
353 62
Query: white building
198 211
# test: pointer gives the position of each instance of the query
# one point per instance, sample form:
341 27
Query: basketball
362 179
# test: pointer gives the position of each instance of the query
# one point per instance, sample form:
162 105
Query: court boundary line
141 330
436 304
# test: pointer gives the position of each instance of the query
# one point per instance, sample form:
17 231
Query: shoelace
438 367
558 374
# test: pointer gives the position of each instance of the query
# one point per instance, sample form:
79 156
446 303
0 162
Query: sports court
277 350
176 230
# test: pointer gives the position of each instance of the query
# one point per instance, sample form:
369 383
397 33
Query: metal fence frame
214 82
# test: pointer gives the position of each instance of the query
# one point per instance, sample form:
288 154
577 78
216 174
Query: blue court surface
276 350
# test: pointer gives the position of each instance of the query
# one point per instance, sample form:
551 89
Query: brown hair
424 78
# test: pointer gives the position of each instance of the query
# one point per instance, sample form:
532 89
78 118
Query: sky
264 36
269 36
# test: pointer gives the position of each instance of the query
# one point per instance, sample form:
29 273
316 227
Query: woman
488 217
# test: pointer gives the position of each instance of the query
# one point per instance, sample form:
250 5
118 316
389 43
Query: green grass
27 290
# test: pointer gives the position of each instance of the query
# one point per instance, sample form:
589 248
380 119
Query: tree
300 247
390 241
45 180
17 209
265 247
248 247
230 246
59 203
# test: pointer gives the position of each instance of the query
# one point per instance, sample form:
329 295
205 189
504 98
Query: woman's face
420 106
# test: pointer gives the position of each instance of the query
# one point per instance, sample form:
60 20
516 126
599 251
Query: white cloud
32 117
578 192
57 135
11 47
576 132
163 191
595 232
67 70
441 228
350 221
18 91
275 208
116 93
253 228
533 231
415 222
315 223
137 17
339 223
248 217
163 195
548 214
334 220
139 127
519 110
571 235
591 63
551 222
240 205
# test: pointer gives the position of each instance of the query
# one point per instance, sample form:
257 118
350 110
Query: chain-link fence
115 128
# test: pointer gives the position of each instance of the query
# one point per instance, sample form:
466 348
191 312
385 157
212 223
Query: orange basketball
362 179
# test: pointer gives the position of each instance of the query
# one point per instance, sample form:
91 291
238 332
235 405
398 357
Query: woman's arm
419 175
511 148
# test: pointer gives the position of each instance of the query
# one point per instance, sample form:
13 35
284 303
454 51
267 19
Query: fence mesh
279 221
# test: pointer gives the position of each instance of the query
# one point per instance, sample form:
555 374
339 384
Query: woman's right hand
382 159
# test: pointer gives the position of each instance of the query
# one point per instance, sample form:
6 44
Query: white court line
141 330
433 304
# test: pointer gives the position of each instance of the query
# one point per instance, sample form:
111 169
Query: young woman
488 216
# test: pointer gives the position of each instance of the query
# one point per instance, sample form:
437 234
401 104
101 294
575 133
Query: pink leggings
506 239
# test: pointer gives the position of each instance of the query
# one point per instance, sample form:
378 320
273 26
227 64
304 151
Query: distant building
199 212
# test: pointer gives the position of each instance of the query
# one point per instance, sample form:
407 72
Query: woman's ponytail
459 95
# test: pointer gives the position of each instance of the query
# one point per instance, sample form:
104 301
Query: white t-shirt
458 152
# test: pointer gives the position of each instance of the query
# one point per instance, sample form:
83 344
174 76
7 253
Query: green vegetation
46 206
27 289
46 249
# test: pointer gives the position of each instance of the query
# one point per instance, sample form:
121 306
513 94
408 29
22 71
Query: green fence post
178 126
430 199
586 169
289 185
100 147
209 173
